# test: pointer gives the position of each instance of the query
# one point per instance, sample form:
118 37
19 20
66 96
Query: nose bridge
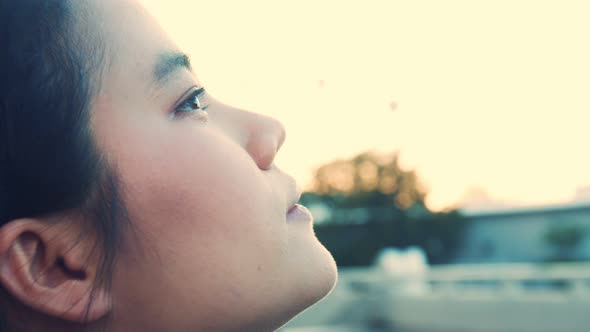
266 138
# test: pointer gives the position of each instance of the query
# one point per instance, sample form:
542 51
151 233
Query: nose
266 138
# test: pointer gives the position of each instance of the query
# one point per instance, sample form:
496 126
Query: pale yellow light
490 94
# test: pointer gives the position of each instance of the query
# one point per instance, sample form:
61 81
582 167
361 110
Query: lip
296 211
294 202
296 190
299 213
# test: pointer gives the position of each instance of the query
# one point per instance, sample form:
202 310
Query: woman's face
217 250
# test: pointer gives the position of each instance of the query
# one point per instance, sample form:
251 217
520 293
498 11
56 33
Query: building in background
533 234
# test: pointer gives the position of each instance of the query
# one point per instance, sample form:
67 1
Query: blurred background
442 146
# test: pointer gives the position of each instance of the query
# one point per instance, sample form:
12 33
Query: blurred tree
564 239
366 176
374 203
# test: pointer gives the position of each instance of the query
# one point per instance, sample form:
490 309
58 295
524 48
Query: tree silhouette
369 172
375 203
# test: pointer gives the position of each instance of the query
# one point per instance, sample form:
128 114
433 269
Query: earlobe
51 270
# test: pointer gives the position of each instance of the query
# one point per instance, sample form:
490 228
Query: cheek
203 196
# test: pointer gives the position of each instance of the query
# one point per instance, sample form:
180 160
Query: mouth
299 213
292 208
295 200
296 211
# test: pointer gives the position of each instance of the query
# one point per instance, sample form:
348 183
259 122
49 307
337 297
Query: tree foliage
375 203
367 175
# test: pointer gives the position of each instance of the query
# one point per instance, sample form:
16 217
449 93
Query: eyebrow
169 63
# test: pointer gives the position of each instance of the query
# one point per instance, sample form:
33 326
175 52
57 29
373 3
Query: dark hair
49 161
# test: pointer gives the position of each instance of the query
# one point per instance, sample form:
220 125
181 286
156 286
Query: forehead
133 40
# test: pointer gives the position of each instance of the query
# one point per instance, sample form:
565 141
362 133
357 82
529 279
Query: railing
461 298
494 298
501 280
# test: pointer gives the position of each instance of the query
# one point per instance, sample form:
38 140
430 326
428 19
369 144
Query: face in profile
215 242
218 249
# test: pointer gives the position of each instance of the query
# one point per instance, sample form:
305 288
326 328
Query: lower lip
299 212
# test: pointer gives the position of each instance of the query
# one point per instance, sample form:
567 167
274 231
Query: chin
325 281
310 289
319 278
327 276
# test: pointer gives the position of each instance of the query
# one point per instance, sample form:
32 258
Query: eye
190 105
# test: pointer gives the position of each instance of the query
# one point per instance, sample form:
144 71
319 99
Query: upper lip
295 196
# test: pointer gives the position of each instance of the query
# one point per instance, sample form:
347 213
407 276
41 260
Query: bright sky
489 94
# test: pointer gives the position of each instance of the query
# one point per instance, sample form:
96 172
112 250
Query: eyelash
190 104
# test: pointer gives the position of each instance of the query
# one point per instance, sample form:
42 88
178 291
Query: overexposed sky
489 94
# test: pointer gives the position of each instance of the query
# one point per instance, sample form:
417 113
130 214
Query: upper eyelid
194 90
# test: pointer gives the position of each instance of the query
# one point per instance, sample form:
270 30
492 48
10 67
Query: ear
50 268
